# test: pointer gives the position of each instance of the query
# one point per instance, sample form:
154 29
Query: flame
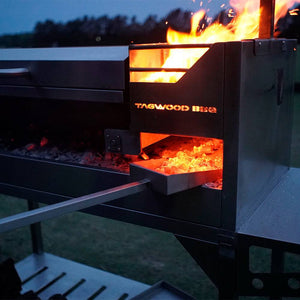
294 12
244 24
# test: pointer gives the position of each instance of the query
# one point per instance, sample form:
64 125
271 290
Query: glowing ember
43 142
217 185
244 24
194 155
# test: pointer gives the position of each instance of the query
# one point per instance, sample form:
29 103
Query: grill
237 93
242 83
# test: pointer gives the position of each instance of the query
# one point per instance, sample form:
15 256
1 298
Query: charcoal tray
171 184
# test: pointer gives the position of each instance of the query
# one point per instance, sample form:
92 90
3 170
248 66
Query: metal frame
223 254
55 210
266 21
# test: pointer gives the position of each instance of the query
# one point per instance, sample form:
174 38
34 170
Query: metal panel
56 178
122 141
265 123
72 74
74 94
232 82
61 118
198 205
282 208
202 86
104 53
257 123
85 67
171 184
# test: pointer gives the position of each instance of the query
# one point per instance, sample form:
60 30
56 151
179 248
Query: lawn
132 251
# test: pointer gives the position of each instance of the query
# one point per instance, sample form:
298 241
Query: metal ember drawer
92 74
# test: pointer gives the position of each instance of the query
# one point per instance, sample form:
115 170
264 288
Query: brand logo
177 107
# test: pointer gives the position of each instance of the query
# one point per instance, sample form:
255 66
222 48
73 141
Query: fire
193 156
244 24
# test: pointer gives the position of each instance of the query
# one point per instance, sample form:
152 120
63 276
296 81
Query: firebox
237 92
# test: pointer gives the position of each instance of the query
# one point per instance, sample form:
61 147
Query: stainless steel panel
84 67
56 178
257 151
278 218
202 86
74 94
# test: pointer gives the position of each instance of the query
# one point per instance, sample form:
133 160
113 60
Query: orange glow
176 107
244 24
199 154
150 138
193 156
294 12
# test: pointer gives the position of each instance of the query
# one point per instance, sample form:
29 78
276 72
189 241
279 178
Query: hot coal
86 149
69 151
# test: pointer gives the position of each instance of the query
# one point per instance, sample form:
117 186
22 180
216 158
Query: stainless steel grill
242 94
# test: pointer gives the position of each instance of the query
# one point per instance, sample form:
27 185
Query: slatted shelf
48 274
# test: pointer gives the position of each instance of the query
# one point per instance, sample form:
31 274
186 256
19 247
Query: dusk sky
21 15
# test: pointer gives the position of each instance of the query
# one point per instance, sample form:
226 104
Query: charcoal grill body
250 83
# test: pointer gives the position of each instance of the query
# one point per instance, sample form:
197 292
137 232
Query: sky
18 16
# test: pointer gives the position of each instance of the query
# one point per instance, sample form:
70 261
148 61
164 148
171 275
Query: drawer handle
14 72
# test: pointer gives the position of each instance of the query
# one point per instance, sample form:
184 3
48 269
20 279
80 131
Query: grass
132 251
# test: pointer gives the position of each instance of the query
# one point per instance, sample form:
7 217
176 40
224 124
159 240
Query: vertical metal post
36 231
277 266
227 263
266 21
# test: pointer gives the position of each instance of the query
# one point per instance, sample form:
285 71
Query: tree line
120 30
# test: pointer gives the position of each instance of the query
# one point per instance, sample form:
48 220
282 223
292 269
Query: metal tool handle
76 204
14 72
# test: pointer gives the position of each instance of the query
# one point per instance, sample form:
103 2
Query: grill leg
277 265
36 231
